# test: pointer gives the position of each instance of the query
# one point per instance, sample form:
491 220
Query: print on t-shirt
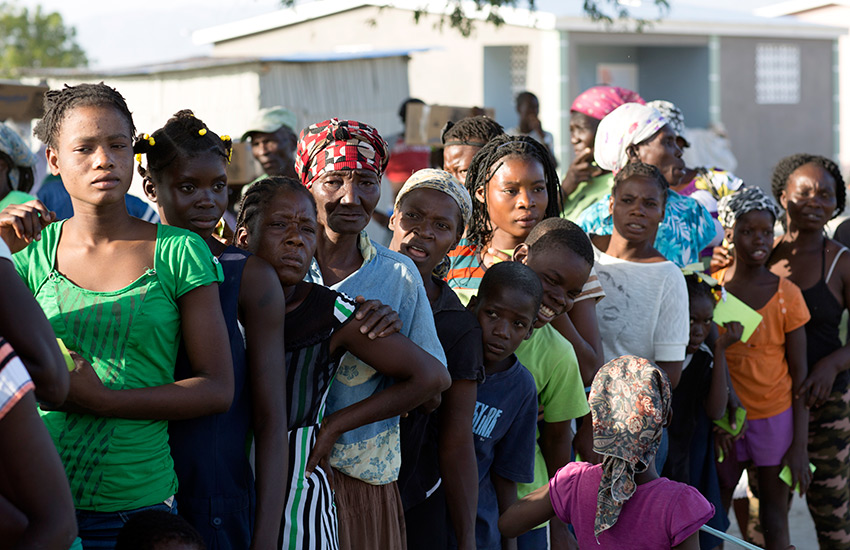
484 419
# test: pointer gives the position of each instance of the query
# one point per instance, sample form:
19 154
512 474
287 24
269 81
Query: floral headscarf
731 207
627 125
430 178
337 145
12 145
598 101
630 401
673 114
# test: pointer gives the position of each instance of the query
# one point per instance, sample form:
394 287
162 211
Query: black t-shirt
460 337
688 406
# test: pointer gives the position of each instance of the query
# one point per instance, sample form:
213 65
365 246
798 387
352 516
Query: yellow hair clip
202 132
149 139
225 138
139 158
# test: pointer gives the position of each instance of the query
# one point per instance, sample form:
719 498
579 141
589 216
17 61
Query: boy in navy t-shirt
503 425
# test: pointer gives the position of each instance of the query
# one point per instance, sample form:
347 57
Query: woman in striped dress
277 222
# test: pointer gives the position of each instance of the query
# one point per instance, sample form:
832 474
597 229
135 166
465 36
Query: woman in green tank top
119 292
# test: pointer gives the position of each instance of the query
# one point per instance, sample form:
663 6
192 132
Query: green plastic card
730 308
69 362
726 421
785 475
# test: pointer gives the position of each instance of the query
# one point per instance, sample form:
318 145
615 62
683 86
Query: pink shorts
766 440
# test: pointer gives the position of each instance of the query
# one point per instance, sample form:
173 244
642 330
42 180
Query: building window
777 74
519 69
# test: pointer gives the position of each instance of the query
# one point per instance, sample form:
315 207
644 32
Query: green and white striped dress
310 520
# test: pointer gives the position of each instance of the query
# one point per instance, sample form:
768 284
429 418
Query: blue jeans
661 454
99 530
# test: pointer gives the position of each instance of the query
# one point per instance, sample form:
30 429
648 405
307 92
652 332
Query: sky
120 33
116 33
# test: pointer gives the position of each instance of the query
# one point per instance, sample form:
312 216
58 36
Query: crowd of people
528 361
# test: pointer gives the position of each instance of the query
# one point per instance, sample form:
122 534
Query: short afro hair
148 529
787 166
554 234
512 275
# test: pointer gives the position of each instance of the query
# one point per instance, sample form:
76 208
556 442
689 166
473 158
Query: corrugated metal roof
209 62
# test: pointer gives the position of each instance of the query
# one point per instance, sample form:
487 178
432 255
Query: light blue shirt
686 229
372 453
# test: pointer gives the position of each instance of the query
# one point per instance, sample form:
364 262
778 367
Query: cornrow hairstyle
787 166
641 169
555 234
57 104
149 529
261 193
472 130
512 275
487 162
183 134
698 287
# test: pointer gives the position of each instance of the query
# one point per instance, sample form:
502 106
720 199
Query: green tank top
130 336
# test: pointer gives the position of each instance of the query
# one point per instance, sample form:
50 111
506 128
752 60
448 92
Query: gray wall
679 75
675 73
762 134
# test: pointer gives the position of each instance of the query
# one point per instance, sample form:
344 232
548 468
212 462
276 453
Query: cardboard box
242 168
425 122
21 102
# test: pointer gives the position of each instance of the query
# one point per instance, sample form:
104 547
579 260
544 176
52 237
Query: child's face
516 196
662 151
457 158
701 312
809 197
753 237
506 317
562 275
93 154
284 235
637 207
191 192
425 227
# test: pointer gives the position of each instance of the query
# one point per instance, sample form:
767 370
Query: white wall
451 72
838 16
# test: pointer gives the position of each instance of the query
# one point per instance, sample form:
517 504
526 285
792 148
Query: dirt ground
800 524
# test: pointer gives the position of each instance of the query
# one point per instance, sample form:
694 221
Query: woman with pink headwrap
586 182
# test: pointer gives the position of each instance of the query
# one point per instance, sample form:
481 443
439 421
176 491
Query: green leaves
463 19
36 39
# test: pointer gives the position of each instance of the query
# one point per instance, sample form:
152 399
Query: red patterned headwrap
598 101
337 145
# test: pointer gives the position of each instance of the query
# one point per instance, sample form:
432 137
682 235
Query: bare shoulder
260 285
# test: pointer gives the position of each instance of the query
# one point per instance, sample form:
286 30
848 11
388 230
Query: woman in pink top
621 503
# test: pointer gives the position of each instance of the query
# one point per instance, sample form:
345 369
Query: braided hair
57 104
260 194
183 134
787 166
472 130
487 162
698 287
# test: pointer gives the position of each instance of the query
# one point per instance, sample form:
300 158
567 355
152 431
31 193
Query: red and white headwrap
338 145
